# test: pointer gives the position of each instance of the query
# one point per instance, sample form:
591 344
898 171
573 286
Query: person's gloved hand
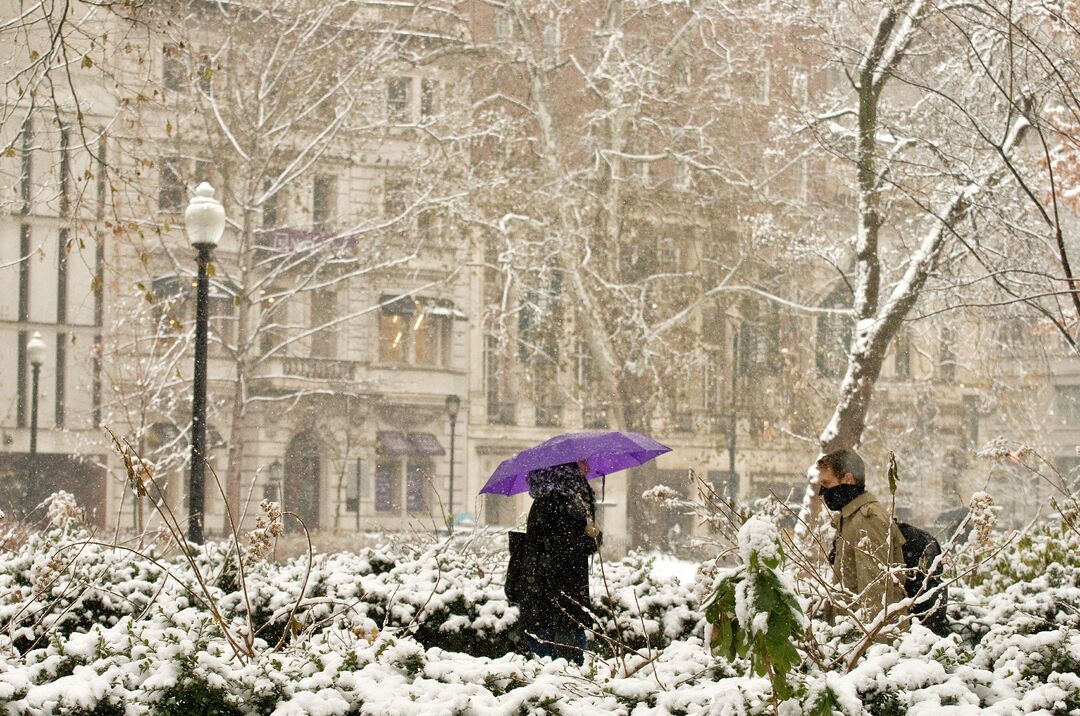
591 530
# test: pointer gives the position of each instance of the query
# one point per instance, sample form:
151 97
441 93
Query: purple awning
425 444
395 444
391 442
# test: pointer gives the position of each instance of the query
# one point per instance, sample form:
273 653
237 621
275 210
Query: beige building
352 296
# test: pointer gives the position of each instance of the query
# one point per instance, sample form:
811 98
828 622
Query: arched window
302 471
759 337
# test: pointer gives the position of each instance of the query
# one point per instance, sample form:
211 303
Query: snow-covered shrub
636 610
1050 548
425 629
753 610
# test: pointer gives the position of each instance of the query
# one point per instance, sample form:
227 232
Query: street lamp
35 352
453 405
733 478
205 223
272 491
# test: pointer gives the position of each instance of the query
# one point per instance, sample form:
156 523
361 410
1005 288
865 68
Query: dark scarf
836 497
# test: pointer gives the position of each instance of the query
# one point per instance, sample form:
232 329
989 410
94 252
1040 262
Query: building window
500 408
393 337
416 331
323 201
204 72
758 347
711 379
834 337
96 381
171 185
499 510
761 81
395 196
504 26
682 74
323 312
62 274
388 486
65 170
26 166
902 357
799 86
724 483
799 180
353 484
971 421
681 178
594 413
552 36
60 405
429 98
172 68
947 356
22 380
723 72
417 478
428 224
835 77
669 255
418 472
221 310
431 339
1067 404
270 206
644 171
397 99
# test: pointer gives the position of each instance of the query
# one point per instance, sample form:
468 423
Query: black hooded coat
558 589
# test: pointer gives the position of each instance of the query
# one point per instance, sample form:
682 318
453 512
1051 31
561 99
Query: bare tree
292 112
935 121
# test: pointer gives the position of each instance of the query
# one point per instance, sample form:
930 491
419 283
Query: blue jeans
569 645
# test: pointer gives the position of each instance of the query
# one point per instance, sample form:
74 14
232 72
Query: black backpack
920 551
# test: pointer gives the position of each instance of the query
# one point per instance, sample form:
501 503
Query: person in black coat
562 531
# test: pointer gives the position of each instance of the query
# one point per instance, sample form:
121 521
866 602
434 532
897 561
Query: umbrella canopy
606 453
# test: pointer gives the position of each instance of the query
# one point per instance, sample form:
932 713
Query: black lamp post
733 478
453 405
35 352
205 223
733 484
272 491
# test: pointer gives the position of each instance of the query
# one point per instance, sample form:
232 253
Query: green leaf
892 473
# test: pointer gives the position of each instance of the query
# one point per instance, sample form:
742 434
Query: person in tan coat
867 541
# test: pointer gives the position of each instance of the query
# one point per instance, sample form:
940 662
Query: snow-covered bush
753 611
96 630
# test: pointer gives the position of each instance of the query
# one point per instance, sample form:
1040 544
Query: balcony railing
549 415
501 413
292 241
319 368
683 421
594 416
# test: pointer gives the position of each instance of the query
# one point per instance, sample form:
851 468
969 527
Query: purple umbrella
606 453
